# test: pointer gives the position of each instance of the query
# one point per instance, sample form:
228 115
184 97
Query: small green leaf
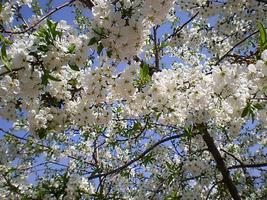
246 111
1 37
41 133
71 48
92 41
109 53
46 77
4 57
49 23
74 67
43 48
52 28
7 41
158 116
100 32
137 126
53 78
100 48
258 106
148 159
263 36
144 73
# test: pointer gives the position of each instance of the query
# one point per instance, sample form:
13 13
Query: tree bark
228 182
87 3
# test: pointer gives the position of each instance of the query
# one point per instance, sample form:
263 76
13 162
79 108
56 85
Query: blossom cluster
90 126
123 28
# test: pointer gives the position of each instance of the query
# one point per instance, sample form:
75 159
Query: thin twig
236 45
180 28
119 169
255 165
40 20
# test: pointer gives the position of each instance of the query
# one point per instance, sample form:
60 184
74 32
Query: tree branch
156 50
262 1
180 28
119 169
44 146
220 164
87 3
13 70
256 165
237 44
40 20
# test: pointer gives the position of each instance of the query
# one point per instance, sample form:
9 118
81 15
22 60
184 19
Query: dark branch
156 50
256 165
40 20
180 28
13 70
262 1
119 169
87 3
220 164
43 146
236 45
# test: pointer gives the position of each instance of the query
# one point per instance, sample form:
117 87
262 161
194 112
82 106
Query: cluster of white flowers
123 28
76 185
8 10
183 95
89 115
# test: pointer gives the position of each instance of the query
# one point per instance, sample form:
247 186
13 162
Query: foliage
147 99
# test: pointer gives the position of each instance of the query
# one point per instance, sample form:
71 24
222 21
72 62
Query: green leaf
36 8
148 159
43 48
137 126
249 110
100 32
7 41
109 53
246 111
100 48
71 48
258 106
92 41
74 67
144 73
46 77
1 37
4 57
52 28
263 36
173 196
1 7
53 78
41 133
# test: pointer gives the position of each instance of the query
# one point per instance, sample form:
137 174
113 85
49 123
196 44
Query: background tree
133 99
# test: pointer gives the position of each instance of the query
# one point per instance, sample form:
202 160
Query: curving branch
87 3
227 180
44 146
180 28
39 21
262 1
233 156
255 165
13 70
236 45
119 169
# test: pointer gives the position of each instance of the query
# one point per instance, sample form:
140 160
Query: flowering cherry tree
133 99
